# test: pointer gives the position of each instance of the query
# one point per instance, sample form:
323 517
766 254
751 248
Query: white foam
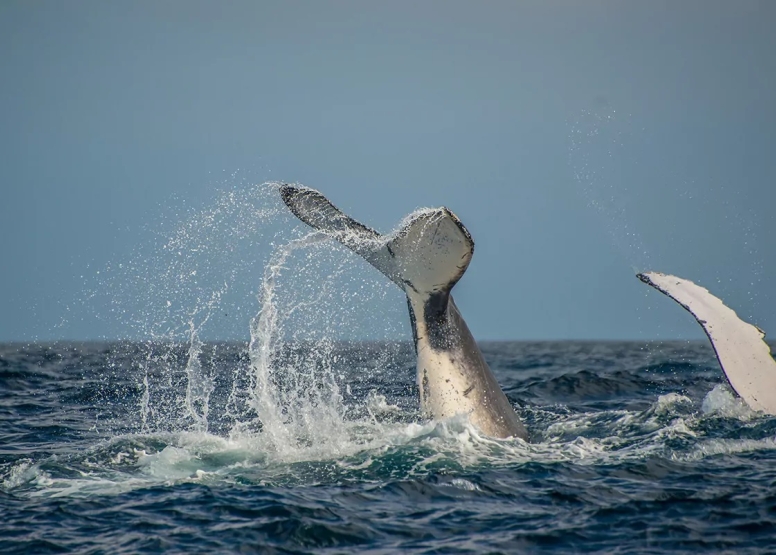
670 402
21 473
465 484
721 401
714 447
377 405
200 456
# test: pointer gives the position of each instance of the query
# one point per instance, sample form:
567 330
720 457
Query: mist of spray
194 284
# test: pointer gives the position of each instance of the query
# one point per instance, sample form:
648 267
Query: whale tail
426 256
742 353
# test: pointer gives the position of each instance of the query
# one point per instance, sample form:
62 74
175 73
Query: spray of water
286 394
291 389
596 155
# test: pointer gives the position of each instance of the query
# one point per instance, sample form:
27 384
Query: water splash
292 386
198 386
721 401
286 393
194 283
189 257
145 399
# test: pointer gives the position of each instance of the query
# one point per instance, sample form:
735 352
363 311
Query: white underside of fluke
431 251
740 347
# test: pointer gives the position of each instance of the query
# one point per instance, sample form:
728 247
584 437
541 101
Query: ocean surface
318 447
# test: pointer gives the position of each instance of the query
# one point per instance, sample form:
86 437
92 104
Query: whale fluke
743 354
427 254
425 257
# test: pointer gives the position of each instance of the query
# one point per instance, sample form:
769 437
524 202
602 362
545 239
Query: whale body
425 257
743 354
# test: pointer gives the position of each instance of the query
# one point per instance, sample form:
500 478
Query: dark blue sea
318 447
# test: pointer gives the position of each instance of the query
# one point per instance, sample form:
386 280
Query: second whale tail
740 347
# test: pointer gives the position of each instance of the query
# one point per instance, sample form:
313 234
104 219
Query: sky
579 142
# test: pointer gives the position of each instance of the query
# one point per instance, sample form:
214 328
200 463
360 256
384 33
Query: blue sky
578 142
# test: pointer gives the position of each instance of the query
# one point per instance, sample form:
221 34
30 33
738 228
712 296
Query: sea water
635 448
299 439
